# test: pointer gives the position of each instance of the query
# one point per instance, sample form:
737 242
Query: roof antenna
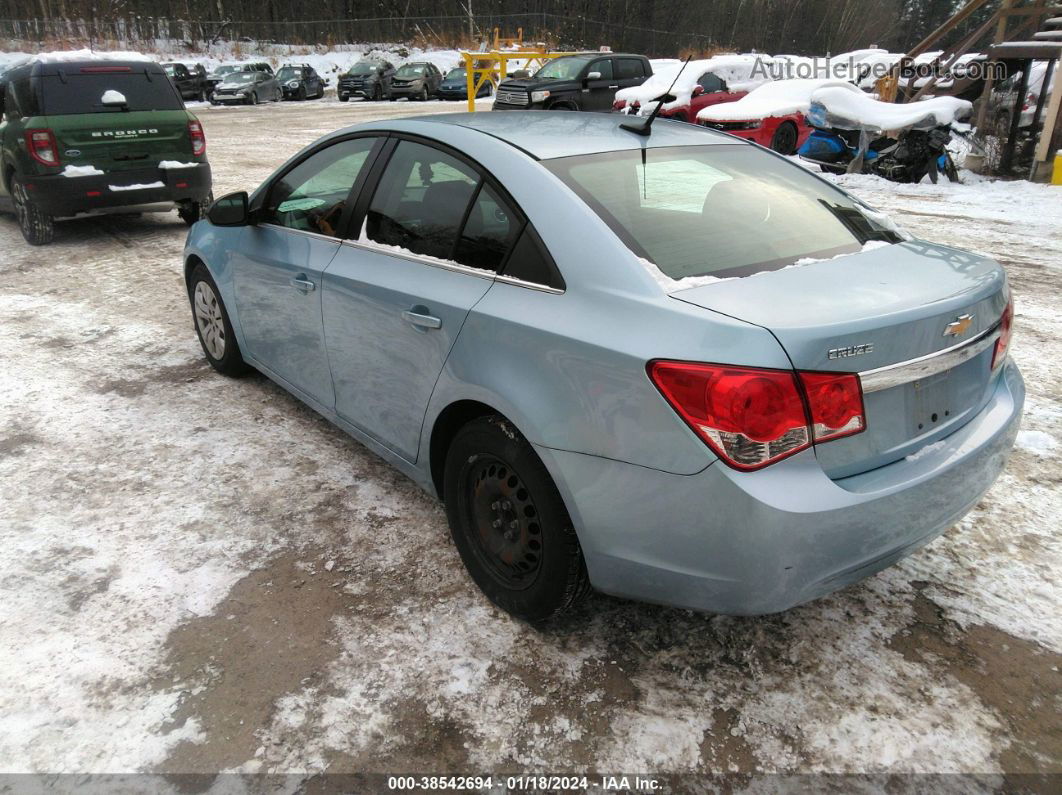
646 127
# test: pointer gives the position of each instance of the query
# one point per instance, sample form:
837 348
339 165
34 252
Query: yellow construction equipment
481 67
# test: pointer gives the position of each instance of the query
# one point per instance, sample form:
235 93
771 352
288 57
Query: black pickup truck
587 81
189 80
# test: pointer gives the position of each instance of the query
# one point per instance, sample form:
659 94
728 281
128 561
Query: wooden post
1051 134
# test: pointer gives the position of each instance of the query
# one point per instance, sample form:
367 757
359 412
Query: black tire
230 361
509 522
252 98
302 93
190 211
784 140
832 169
423 95
202 95
377 93
37 227
278 96
344 98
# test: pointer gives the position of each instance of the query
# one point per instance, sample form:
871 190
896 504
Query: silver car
676 368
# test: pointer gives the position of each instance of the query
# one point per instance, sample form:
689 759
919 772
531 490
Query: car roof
546 135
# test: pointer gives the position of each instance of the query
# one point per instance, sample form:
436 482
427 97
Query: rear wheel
509 523
212 324
192 211
785 138
37 227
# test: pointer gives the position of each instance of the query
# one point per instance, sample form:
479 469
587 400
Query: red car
710 90
783 134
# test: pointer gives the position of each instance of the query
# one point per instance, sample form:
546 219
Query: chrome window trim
925 366
283 228
529 285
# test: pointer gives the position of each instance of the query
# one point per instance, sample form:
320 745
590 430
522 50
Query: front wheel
509 523
212 324
377 93
423 95
784 140
344 98
37 227
252 98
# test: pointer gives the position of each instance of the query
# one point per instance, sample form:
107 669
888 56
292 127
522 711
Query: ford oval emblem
73 153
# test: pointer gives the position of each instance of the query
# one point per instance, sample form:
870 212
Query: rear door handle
613 86
302 284
418 317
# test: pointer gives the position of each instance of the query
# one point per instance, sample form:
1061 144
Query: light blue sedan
675 367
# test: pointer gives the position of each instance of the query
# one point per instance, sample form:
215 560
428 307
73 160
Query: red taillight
836 404
752 417
92 70
195 132
1003 343
749 417
42 147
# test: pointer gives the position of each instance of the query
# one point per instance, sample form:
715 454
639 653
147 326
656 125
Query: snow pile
66 56
81 171
166 165
1036 442
778 98
147 186
861 110
112 97
740 72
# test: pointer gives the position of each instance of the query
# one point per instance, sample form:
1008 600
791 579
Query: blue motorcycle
840 146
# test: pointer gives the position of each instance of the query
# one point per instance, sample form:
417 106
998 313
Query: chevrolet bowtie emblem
959 325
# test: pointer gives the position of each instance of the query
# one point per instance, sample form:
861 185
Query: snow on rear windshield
83 93
719 210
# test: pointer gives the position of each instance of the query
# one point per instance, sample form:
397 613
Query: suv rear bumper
63 197
750 543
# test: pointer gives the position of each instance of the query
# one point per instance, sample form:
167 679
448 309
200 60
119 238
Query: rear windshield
719 210
83 93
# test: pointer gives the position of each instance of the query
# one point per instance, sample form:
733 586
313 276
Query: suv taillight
753 417
42 147
195 132
1006 325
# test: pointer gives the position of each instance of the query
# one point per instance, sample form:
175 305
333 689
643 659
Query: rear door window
628 68
420 201
488 232
83 93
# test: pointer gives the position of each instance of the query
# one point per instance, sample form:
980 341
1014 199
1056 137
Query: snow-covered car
672 366
699 85
1005 95
771 115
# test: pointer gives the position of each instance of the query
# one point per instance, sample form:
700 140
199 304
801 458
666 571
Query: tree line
655 27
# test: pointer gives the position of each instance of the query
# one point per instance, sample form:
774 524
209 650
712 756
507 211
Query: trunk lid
872 310
123 141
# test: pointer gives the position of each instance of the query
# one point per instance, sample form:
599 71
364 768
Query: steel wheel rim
209 320
505 526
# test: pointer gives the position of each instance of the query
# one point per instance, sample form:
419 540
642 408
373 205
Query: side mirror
230 210
593 76
698 90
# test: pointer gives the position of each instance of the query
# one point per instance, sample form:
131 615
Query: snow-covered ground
200 574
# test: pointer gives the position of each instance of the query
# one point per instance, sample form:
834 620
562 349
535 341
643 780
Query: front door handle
302 284
613 87
418 317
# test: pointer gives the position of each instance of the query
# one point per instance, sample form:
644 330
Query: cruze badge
851 350
959 325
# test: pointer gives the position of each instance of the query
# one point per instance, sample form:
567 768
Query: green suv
87 137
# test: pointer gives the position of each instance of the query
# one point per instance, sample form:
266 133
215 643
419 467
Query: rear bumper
761 542
67 196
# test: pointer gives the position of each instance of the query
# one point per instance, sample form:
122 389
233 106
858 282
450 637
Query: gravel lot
200 574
